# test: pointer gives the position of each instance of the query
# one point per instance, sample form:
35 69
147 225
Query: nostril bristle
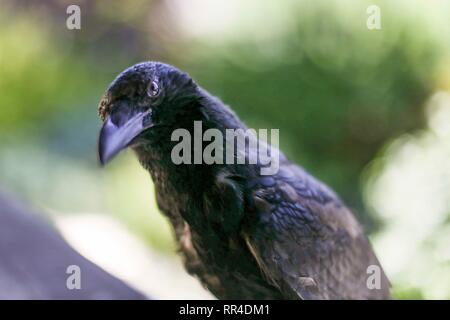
103 108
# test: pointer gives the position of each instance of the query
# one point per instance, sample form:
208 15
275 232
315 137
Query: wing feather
308 244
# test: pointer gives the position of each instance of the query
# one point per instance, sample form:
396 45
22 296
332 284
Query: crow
243 234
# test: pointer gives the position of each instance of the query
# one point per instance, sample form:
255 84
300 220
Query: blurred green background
366 111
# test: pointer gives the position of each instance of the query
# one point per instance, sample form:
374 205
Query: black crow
244 234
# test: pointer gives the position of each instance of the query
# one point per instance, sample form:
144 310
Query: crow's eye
153 89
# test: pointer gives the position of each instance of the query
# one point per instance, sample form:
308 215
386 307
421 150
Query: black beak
118 132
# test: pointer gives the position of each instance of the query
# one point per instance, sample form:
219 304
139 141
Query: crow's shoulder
306 241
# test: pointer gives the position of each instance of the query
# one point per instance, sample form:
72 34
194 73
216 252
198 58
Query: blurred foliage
409 188
338 92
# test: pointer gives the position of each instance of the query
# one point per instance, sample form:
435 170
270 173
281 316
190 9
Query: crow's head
143 98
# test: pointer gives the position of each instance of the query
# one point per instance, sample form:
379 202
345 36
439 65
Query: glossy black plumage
244 235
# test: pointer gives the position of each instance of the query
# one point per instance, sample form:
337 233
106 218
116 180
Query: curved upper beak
118 133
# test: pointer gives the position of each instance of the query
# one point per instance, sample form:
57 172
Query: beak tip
103 156
113 138
100 152
101 162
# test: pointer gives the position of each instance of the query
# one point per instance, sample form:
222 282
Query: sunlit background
366 111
